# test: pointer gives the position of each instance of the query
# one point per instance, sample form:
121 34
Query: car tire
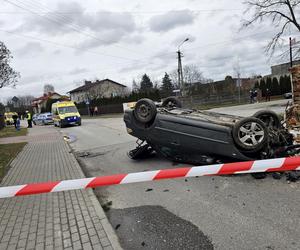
270 118
250 134
145 111
171 102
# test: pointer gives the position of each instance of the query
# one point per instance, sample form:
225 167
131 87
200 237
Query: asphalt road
231 212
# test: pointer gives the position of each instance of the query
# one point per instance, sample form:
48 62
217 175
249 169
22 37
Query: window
68 109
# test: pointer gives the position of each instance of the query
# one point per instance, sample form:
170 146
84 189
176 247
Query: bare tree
7 75
48 88
280 12
192 75
25 100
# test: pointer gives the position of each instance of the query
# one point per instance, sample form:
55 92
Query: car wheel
172 102
145 110
250 134
270 118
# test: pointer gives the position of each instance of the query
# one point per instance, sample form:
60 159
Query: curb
111 235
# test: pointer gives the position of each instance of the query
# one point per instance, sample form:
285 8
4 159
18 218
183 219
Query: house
282 69
99 89
39 104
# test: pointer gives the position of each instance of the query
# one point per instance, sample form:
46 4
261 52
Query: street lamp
180 72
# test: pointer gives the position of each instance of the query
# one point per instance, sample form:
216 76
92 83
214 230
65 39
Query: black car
197 137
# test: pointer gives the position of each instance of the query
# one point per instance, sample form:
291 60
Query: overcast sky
65 42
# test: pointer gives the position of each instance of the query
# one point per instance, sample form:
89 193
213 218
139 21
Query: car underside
203 137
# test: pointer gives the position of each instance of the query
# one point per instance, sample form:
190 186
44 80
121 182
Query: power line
64 45
72 26
122 12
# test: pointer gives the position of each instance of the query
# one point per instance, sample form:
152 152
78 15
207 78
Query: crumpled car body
193 136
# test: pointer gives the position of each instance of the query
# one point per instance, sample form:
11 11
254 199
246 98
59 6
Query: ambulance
65 113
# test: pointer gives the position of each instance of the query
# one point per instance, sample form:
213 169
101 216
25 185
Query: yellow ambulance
65 113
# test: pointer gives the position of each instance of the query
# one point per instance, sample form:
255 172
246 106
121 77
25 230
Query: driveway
228 212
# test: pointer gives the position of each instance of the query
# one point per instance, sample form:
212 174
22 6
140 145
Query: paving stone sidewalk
64 220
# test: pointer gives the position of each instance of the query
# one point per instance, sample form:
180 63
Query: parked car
34 118
44 119
288 95
198 137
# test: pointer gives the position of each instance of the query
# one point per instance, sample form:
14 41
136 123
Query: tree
280 12
268 83
167 86
146 84
135 86
48 88
263 88
49 104
8 76
281 85
192 75
287 84
275 88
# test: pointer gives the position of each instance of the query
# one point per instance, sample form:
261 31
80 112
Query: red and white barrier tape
270 165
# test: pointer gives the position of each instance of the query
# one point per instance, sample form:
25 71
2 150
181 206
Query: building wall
106 89
283 69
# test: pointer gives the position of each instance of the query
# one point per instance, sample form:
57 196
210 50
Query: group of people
253 96
17 120
93 111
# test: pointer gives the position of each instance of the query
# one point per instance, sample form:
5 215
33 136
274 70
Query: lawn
11 131
7 153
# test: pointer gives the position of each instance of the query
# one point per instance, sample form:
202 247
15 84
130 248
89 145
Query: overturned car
203 137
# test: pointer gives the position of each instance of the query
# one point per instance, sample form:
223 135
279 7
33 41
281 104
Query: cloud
78 71
77 20
30 48
171 20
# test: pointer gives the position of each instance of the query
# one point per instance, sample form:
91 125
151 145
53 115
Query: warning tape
270 165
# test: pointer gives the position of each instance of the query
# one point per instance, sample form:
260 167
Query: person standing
268 95
96 110
29 119
251 96
15 117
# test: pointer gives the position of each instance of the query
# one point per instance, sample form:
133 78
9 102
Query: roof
93 84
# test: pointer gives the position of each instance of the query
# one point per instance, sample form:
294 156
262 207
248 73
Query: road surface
231 212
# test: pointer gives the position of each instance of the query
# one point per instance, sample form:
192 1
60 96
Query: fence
103 109
196 100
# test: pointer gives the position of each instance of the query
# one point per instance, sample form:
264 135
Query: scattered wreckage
203 137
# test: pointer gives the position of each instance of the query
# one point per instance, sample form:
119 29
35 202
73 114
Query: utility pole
291 53
239 86
179 70
180 74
